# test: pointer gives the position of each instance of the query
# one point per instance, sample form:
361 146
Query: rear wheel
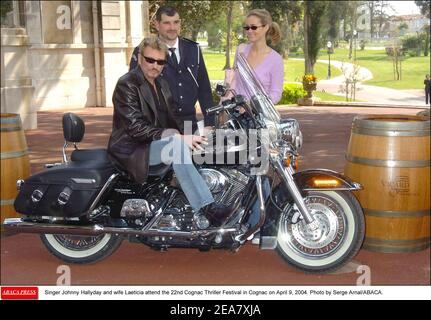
337 239
81 249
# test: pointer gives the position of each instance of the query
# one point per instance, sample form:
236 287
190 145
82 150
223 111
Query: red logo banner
19 293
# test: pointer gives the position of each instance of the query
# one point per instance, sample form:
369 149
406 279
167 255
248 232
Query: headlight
273 132
289 131
298 140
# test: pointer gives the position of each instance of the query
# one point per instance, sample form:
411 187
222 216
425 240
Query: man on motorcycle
145 132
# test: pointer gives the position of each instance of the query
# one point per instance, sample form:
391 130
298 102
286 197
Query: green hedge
216 98
291 93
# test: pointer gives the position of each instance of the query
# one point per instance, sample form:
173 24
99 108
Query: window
6 10
12 14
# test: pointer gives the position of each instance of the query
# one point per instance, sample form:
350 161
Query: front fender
306 181
324 179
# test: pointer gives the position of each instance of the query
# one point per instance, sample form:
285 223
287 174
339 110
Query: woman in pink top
268 67
267 63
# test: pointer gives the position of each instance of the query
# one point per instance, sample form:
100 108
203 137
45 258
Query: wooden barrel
390 156
15 163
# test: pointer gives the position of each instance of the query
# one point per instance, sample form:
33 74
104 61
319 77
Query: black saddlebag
67 190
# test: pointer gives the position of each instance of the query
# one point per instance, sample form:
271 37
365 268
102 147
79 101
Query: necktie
174 56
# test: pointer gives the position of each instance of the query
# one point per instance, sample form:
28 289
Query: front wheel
81 249
337 239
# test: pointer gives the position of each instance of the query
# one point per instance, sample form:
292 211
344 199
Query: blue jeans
255 212
173 151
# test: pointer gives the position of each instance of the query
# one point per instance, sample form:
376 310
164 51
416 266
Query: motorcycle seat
99 157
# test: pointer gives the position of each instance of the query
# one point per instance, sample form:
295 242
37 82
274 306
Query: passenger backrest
73 127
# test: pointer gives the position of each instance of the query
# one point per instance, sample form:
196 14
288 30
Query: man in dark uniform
185 72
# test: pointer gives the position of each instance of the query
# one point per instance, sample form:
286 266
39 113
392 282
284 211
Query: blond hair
274 32
154 43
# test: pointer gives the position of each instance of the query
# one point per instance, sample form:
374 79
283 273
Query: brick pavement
326 131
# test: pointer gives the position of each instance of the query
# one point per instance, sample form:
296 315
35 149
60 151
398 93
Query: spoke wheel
81 249
337 238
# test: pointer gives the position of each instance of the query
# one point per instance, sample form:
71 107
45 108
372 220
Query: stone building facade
66 54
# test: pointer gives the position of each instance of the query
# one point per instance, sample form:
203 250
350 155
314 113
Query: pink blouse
270 73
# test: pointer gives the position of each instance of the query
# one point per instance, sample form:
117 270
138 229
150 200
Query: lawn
330 97
325 97
293 69
413 68
215 63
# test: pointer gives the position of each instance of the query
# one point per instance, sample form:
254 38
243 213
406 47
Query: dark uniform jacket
135 123
188 82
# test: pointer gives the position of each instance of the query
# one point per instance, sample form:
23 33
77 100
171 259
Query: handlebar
221 107
227 104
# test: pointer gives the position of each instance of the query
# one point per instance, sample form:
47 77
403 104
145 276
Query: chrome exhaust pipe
18 225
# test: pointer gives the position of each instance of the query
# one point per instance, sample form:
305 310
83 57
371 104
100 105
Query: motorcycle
84 207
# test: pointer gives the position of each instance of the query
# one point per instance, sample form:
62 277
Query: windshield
259 99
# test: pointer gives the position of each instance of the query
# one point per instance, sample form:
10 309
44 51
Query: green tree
286 13
336 11
425 10
223 32
229 31
5 7
351 21
313 13
194 14
381 15
402 28
371 7
333 19
424 6
425 35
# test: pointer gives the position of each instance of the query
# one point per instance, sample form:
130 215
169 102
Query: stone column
16 84
17 88
82 22
33 22
139 24
61 59
124 25
113 45
146 18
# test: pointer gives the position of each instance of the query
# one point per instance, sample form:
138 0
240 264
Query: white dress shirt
177 50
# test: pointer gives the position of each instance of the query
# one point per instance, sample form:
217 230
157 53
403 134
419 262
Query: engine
226 185
178 216
139 206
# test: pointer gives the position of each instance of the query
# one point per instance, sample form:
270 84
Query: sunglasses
252 27
151 61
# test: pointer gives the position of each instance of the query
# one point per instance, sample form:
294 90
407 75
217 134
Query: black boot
217 214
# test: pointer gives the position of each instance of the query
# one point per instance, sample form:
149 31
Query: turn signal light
325 183
291 161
